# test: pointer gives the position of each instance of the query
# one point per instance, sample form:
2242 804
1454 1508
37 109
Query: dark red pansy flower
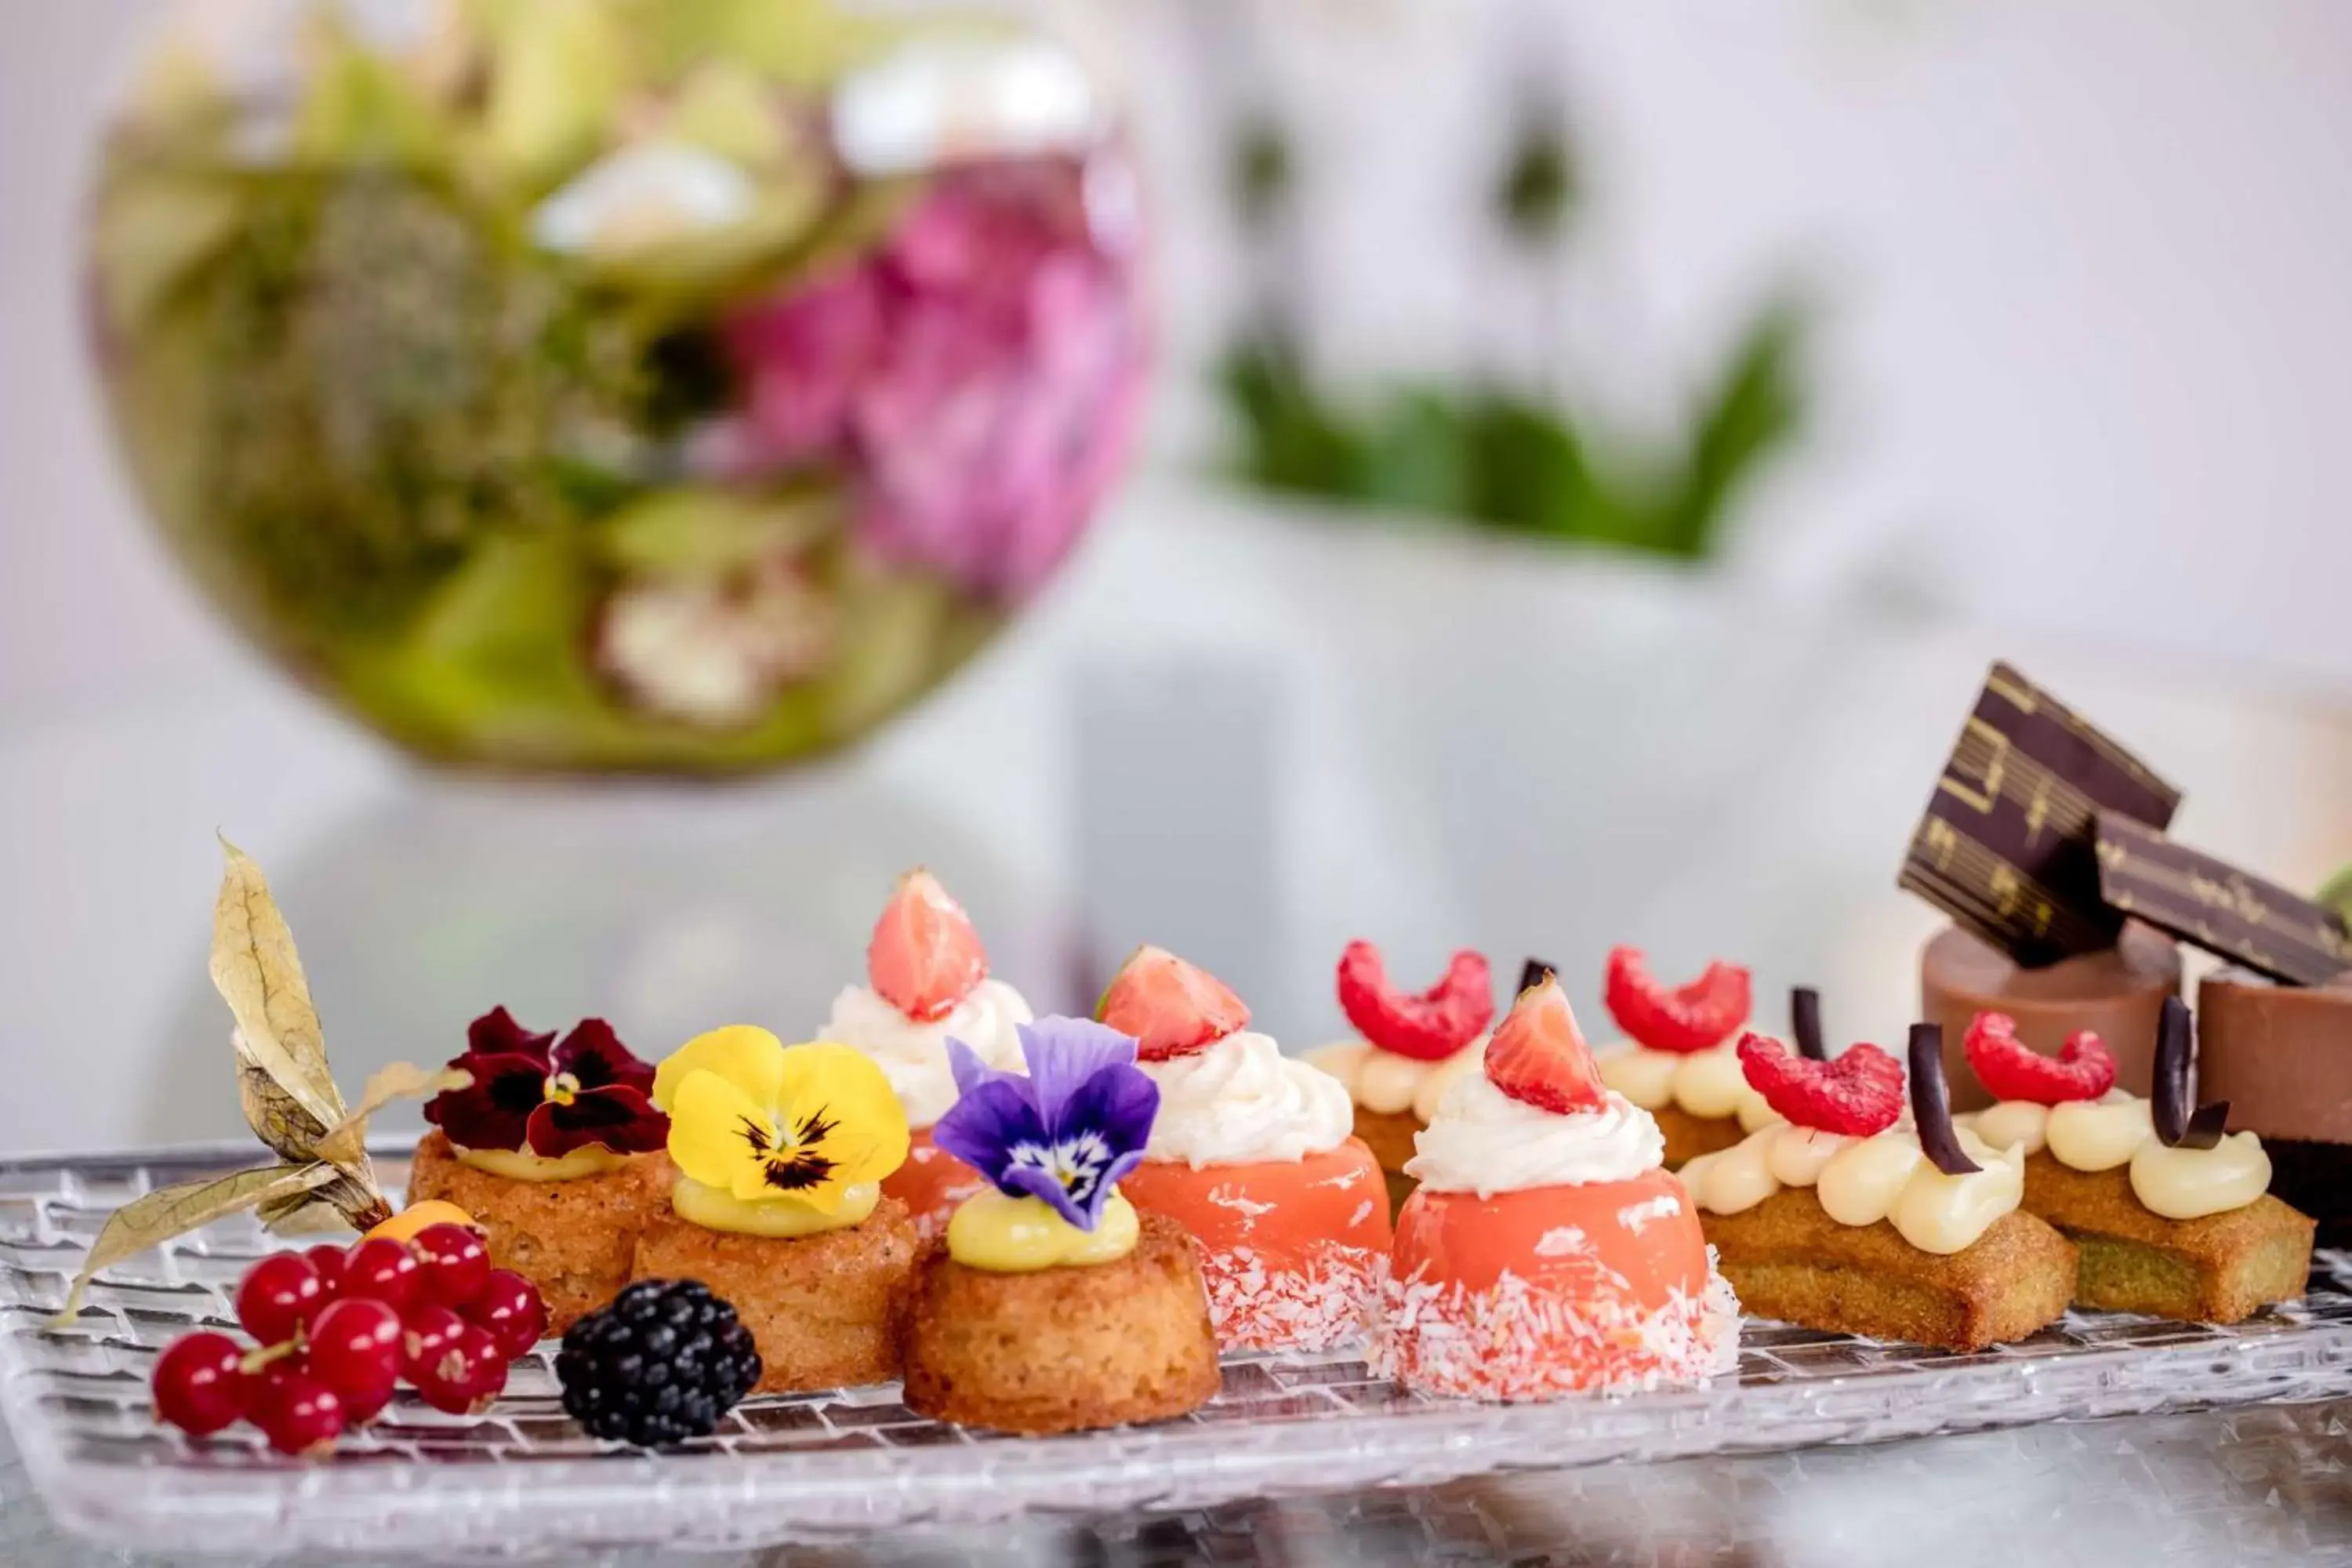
533 1095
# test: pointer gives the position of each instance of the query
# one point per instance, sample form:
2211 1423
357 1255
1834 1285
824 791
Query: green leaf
1289 440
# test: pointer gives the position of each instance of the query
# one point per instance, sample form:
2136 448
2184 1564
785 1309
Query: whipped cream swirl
914 1057
1241 1101
1484 1142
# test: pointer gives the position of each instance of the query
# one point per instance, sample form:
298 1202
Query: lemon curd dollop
715 1208
1000 1234
522 1165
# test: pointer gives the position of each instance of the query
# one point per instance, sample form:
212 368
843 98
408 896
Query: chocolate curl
2176 1125
1533 972
1805 1021
1931 1102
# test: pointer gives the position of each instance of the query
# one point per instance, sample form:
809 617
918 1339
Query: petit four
2172 1216
1410 1050
781 1151
1545 1251
927 983
554 1147
1050 1304
1680 1061
1841 1219
1255 1155
2281 1057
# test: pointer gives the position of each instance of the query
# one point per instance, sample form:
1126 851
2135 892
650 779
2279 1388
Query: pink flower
977 378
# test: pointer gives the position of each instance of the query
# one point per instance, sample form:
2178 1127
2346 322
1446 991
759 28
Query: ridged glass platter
519 1481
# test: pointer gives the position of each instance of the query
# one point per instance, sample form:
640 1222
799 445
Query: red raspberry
1428 1027
1857 1094
2011 1069
1686 1019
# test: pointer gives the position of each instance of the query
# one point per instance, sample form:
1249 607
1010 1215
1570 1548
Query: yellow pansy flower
765 1121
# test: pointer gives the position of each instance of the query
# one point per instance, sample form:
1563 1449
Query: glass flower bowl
617 384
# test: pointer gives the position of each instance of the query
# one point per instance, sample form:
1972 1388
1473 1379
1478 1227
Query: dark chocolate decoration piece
2006 845
1805 1023
1931 1102
2218 907
2170 1094
1532 973
2205 1128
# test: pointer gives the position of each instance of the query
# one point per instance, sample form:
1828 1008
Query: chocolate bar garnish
2006 848
2218 907
2181 1121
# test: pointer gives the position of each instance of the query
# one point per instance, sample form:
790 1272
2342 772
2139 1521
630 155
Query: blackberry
663 1362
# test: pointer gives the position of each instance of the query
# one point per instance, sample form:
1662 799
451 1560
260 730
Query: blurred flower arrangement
1479 449
679 385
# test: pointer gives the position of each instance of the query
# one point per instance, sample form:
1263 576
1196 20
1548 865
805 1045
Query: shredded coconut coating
1257 1308
1513 1341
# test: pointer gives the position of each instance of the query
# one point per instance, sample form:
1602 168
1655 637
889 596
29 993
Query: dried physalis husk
324 1181
172 1211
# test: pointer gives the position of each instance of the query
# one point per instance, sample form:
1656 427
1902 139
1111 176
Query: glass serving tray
519 1481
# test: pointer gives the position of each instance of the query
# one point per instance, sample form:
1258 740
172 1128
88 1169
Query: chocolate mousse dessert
2007 848
2274 1031
2117 992
2281 1057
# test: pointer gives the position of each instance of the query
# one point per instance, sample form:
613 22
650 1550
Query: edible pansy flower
535 1095
1068 1131
755 1118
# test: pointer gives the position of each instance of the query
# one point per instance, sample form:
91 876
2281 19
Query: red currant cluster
340 1328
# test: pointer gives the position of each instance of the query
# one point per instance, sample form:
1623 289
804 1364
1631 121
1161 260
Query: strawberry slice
1428 1027
2011 1069
925 956
1538 1057
1857 1094
1171 1007
1692 1017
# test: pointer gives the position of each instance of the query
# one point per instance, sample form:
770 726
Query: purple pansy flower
1067 1132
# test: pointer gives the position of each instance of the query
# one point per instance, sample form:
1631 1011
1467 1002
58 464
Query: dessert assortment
1051 1225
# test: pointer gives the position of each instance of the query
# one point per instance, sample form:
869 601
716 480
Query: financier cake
1050 1305
2172 1214
1841 1219
778 1205
555 1151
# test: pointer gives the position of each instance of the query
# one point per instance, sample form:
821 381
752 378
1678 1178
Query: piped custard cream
1388 1084
2119 1128
1860 1181
1709 1083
